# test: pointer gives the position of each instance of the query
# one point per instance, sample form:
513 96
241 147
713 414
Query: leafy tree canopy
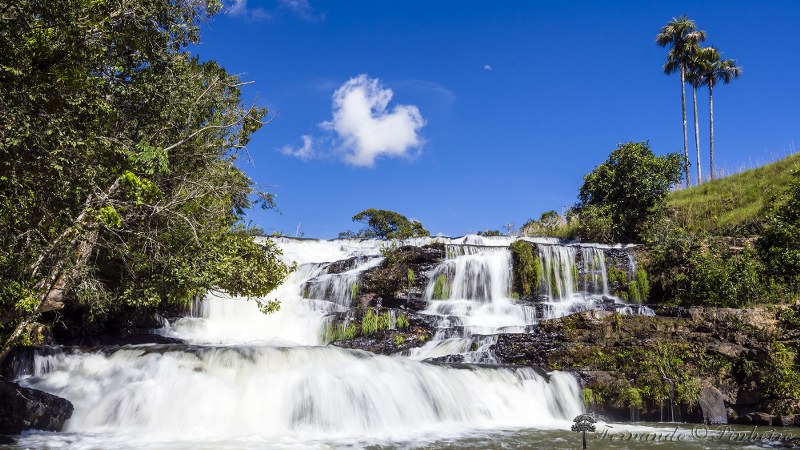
118 179
619 195
384 224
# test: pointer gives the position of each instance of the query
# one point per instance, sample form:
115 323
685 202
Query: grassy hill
733 205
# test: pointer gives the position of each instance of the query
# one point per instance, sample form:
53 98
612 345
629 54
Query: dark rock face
714 349
23 409
387 284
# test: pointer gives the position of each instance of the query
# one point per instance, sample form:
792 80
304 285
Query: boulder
757 418
712 406
23 408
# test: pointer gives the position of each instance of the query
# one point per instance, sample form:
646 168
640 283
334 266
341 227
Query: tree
680 33
712 70
779 244
695 79
119 187
384 224
627 189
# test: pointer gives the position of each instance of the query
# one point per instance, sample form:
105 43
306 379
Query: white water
477 274
265 381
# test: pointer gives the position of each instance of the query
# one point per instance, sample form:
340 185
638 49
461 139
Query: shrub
369 323
384 322
401 322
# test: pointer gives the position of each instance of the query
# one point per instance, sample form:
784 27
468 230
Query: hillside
732 205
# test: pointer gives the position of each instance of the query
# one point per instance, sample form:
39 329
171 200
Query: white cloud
239 9
363 127
487 67
367 129
301 8
304 152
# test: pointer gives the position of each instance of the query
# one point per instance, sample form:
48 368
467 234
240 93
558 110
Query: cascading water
471 292
245 379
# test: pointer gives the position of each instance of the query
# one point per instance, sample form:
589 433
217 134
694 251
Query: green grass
733 205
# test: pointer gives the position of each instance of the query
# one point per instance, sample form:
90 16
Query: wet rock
526 349
346 330
712 406
23 409
792 420
677 312
123 339
344 265
387 284
757 418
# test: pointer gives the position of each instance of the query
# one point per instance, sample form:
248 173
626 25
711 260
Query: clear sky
468 115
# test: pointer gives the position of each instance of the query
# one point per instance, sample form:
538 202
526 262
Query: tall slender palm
681 33
695 79
712 69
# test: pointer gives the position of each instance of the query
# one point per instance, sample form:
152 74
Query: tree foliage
619 196
779 244
384 224
118 150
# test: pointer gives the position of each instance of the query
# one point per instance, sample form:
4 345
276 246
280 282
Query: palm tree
693 76
681 34
712 69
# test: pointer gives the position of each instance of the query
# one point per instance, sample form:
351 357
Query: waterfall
246 379
295 393
594 271
559 272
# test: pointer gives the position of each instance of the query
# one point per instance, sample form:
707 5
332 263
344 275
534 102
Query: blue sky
468 115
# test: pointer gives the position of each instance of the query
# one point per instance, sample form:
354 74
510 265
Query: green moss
440 289
526 268
399 340
643 283
354 291
591 397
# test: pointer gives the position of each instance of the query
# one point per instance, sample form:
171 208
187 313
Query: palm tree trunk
697 136
711 126
685 138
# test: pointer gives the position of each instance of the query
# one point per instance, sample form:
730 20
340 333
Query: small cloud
239 9
366 128
363 128
302 9
487 67
304 152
